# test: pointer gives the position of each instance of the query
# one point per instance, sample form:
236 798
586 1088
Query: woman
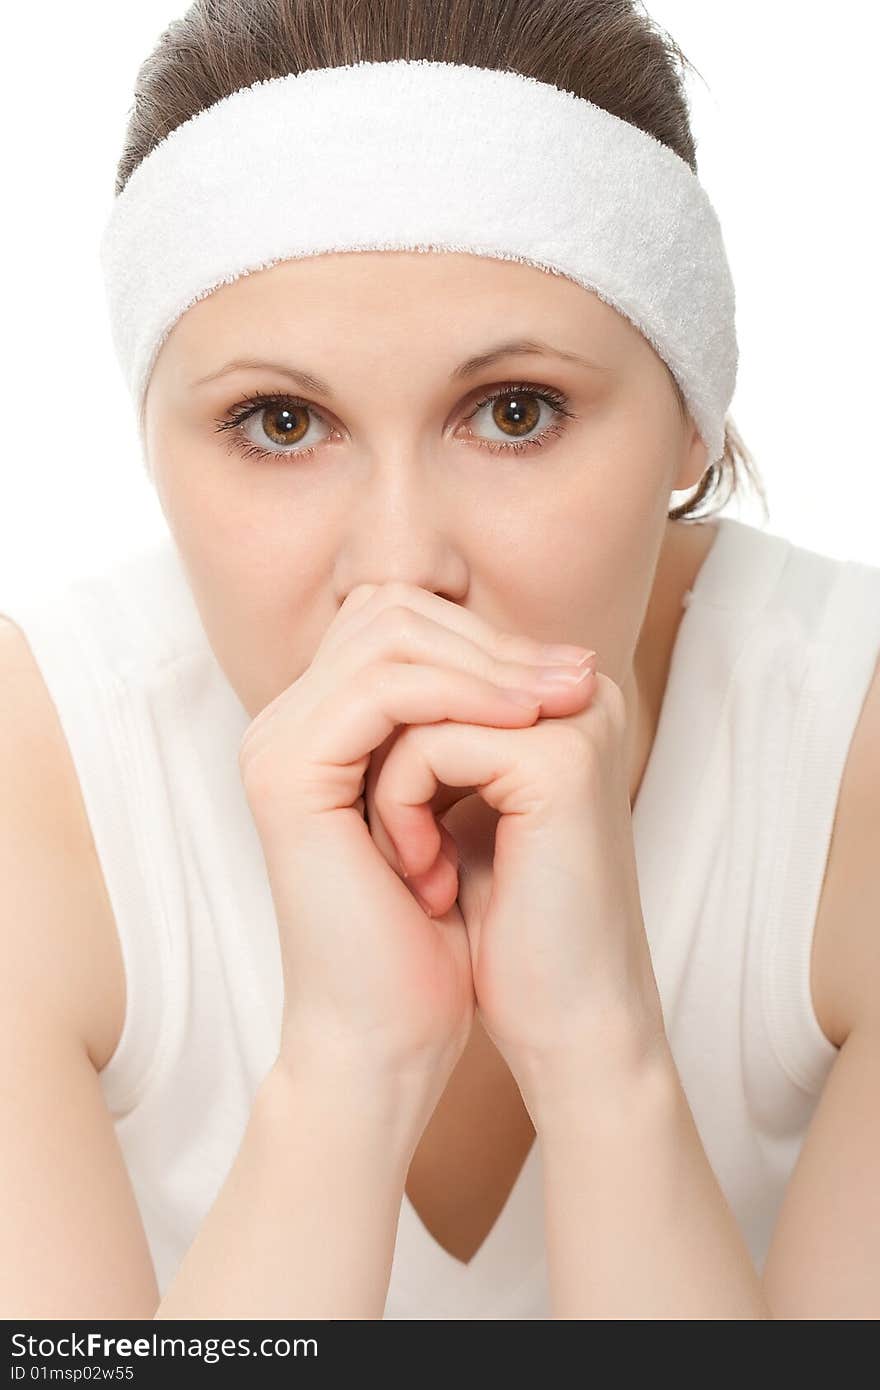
468 989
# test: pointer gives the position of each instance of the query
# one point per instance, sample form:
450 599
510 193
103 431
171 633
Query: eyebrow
520 347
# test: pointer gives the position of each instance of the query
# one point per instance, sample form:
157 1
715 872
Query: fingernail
524 698
555 676
565 655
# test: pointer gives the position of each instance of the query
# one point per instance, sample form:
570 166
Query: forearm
305 1223
637 1226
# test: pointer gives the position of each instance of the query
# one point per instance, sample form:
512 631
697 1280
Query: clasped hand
559 958
435 847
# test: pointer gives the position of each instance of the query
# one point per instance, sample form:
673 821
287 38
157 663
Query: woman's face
383 464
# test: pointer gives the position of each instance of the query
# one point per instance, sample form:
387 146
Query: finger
356 598
400 633
403 794
509 768
373 817
354 601
370 600
445 797
430 887
427 888
397 632
392 641
437 888
331 752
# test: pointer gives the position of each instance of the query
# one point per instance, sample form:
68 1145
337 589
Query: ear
694 459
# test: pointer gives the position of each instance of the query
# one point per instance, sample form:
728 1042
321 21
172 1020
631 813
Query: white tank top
732 824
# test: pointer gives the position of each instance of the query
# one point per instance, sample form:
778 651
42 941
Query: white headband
425 156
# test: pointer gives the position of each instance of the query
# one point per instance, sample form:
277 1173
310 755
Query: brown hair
608 51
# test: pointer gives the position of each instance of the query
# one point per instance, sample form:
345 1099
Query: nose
403 525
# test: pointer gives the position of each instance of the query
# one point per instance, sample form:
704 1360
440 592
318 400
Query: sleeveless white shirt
732 824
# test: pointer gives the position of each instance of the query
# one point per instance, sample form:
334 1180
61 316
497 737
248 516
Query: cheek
258 639
199 510
578 570
633 439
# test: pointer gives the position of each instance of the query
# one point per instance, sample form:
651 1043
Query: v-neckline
506 1257
514 1245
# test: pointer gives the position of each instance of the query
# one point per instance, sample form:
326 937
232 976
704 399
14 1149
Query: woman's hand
370 981
560 958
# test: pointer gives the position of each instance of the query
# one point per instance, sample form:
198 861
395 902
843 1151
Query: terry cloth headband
425 156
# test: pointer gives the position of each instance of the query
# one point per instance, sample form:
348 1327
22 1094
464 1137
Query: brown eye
269 426
284 424
516 414
278 427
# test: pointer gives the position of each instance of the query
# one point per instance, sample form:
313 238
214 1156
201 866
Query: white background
786 132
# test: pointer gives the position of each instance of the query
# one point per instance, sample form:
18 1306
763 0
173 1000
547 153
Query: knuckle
568 746
506 646
399 591
394 592
398 625
359 594
375 679
507 673
569 755
246 746
256 776
611 703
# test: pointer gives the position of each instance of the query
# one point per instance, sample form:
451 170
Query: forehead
397 292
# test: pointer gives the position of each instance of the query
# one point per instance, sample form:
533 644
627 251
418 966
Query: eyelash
233 419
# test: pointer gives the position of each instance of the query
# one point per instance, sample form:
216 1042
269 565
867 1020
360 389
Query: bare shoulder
53 863
845 972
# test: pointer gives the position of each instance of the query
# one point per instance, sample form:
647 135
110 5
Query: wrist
359 1105
597 1069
